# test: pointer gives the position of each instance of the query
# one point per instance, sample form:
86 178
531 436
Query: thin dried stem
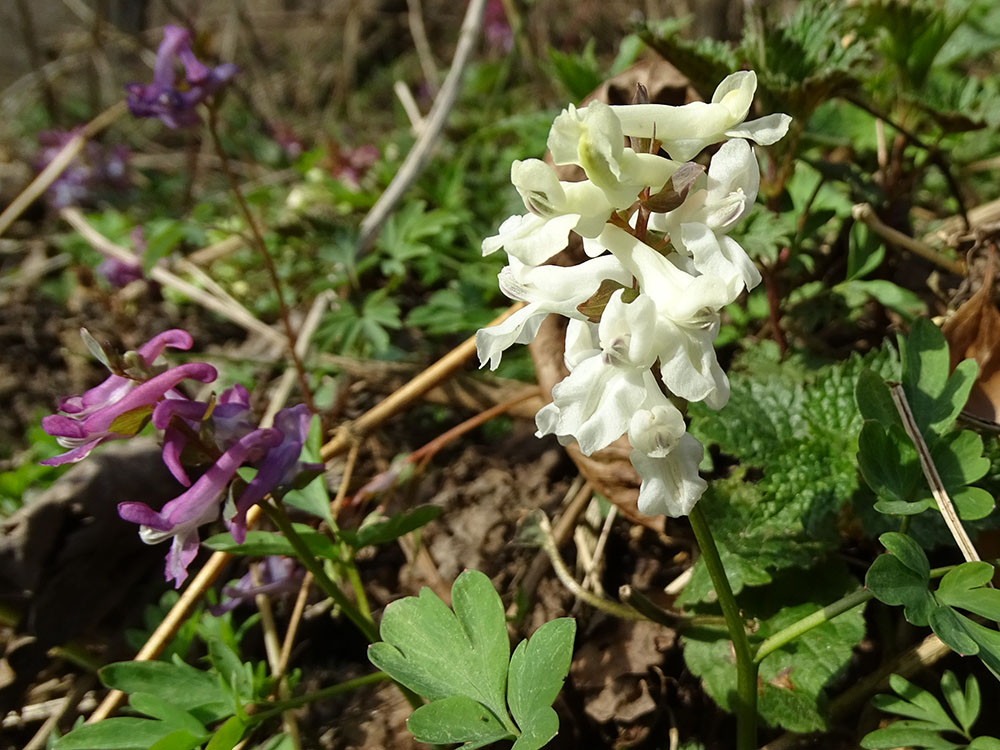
444 368
418 156
564 575
58 165
864 213
938 490
415 16
227 308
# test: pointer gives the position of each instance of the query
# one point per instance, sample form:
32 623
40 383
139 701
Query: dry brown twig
418 156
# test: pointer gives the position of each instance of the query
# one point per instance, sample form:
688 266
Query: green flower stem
746 668
280 519
807 623
276 709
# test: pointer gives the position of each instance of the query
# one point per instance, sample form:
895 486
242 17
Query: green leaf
984 743
392 528
158 708
179 740
439 653
906 734
118 733
231 669
902 578
964 587
264 543
796 428
865 251
874 400
924 705
935 398
964 705
538 668
972 503
160 242
228 735
890 295
951 628
179 684
889 463
457 719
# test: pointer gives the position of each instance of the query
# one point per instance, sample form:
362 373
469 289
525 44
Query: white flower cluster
661 267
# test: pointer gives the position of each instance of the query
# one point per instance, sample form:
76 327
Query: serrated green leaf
392 528
800 428
538 668
179 684
439 653
457 719
117 733
158 708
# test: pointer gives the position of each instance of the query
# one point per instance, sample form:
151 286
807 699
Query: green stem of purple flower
280 519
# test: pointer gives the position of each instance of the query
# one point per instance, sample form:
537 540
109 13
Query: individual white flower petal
627 332
519 328
532 239
688 365
763 130
732 183
548 289
593 404
671 485
684 131
539 186
713 255
581 342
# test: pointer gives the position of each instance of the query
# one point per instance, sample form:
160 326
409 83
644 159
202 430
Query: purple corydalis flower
496 27
94 168
115 409
120 273
161 98
278 468
229 420
181 517
277 575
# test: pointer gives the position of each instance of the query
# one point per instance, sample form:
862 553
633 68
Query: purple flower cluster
94 168
120 273
222 431
173 103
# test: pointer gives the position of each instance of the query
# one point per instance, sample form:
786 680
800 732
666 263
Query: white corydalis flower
592 139
555 209
610 379
686 318
546 289
671 485
684 131
722 198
